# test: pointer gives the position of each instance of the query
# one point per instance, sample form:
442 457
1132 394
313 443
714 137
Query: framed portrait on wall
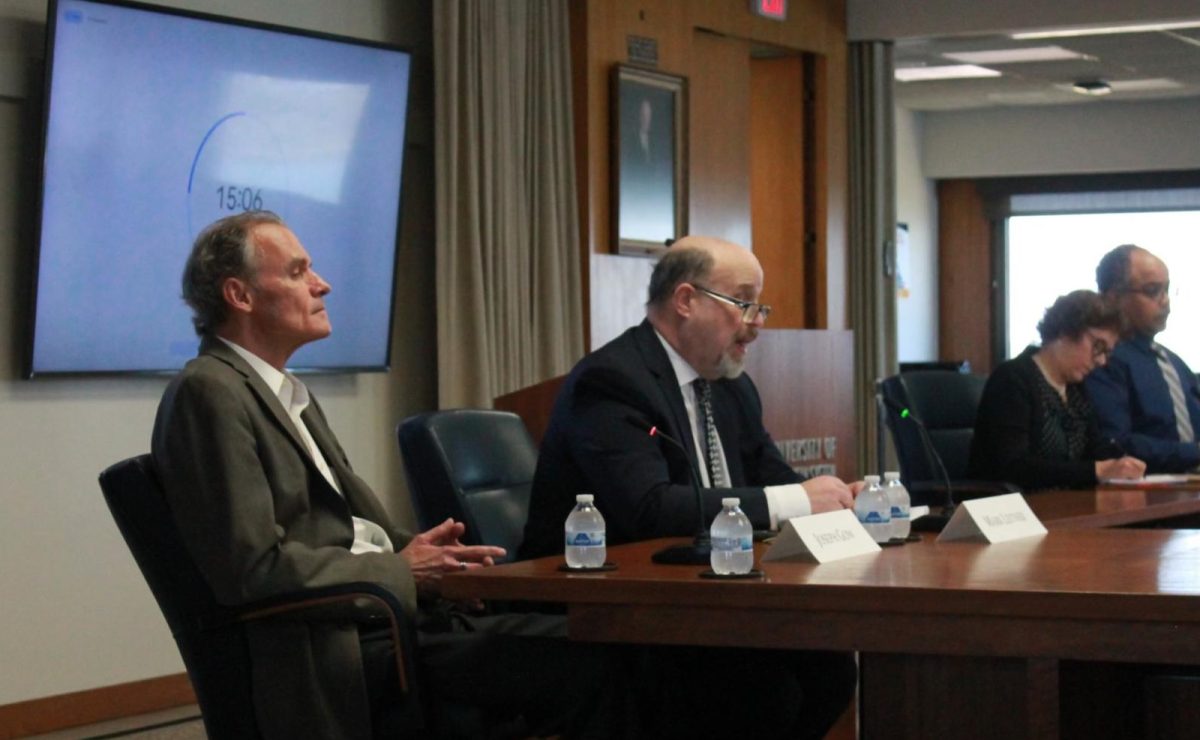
649 159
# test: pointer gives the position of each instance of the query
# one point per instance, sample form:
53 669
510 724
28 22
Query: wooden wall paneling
824 233
777 182
812 25
815 27
831 173
52 713
964 276
719 152
609 24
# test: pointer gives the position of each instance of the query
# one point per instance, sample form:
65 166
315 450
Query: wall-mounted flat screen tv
158 122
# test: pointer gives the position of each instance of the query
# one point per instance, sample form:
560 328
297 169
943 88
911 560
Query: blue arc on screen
207 136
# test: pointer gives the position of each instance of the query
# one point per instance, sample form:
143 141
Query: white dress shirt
368 536
783 502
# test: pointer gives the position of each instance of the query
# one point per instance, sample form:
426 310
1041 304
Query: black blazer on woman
1025 434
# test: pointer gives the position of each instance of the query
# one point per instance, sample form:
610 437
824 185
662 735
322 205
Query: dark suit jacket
597 443
259 519
1135 408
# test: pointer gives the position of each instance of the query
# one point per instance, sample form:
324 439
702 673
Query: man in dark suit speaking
266 503
701 318
678 370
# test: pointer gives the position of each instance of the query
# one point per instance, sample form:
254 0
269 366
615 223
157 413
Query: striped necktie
1183 420
712 446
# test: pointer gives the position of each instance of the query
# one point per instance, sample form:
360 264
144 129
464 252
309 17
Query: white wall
1086 138
916 205
74 611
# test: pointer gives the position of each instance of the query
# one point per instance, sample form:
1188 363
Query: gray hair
686 265
221 251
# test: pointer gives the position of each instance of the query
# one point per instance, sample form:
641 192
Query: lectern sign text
810 456
822 537
993 519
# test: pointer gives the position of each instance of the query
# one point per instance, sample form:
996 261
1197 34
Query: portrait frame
649 160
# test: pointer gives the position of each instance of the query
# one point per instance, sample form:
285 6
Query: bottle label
872 517
898 513
585 539
733 544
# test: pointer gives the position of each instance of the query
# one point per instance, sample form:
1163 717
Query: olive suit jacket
259 519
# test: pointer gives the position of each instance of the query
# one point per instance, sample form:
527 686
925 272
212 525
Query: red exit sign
776 10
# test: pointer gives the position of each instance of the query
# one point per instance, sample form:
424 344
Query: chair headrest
944 399
479 448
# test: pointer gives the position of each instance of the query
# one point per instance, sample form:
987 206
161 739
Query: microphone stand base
693 553
932 522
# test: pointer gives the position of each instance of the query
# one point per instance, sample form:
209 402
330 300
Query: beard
729 368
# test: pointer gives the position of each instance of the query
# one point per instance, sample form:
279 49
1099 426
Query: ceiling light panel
1105 30
943 72
1160 83
1015 56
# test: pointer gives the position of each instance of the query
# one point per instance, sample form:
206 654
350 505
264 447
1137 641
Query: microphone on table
700 550
930 522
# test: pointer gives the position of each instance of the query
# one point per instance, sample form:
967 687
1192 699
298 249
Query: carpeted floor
181 723
187 729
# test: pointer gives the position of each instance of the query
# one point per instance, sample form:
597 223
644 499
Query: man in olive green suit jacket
267 503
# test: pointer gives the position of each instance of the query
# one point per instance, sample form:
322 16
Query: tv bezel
30 323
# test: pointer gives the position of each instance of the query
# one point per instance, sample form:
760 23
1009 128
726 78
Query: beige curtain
508 305
872 235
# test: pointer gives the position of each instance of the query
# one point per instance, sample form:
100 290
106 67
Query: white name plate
821 537
993 519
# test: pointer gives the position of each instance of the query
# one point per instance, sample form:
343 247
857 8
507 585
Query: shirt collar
290 391
684 372
1142 342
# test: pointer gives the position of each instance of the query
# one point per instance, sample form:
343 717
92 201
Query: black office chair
945 403
211 637
473 465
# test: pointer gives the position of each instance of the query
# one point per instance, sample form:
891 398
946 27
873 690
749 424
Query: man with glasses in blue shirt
680 371
1146 397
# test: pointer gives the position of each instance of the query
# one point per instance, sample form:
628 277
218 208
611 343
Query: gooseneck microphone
700 550
930 522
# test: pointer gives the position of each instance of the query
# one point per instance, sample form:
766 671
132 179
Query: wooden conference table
957 640
1117 507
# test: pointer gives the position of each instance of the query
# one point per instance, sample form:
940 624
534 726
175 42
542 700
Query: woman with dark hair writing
1035 426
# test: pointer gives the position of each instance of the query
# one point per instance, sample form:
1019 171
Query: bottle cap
891 475
727 502
869 479
584 498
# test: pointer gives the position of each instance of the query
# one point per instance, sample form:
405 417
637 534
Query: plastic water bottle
732 540
585 534
901 504
872 509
